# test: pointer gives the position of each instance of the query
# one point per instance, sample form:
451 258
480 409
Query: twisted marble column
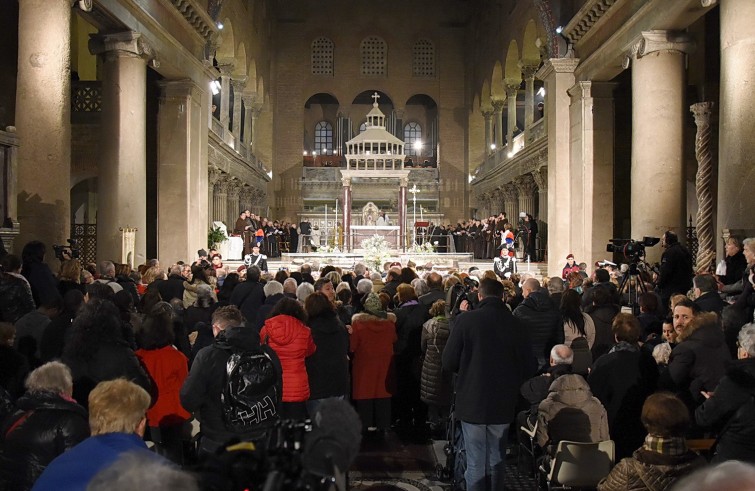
706 251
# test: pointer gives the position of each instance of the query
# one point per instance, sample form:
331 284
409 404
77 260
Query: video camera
633 250
66 252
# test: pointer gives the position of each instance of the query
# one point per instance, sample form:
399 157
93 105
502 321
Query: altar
391 234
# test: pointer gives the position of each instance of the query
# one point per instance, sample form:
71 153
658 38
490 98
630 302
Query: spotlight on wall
541 92
559 29
511 154
417 145
215 87
220 25
492 146
305 153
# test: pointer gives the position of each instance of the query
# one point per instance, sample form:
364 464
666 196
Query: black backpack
251 394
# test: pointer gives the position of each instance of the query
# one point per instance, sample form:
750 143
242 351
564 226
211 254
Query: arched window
324 138
412 134
322 56
374 52
423 59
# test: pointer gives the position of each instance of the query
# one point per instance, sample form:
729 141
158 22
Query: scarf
624 346
673 446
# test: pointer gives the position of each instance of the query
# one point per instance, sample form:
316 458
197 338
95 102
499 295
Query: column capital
649 42
226 69
525 184
702 112
509 192
541 177
404 182
557 65
709 3
346 181
528 71
512 89
234 186
213 175
84 5
486 113
238 84
497 105
222 184
128 43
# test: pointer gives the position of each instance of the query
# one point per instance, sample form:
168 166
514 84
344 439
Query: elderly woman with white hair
733 404
303 291
47 422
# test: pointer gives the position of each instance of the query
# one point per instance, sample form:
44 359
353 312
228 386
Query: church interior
134 126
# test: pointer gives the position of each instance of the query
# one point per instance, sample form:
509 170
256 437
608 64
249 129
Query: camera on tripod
633 250
66 252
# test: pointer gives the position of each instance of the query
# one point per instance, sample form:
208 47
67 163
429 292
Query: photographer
676 273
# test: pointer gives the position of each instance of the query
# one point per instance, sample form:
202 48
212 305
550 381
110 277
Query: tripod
633 292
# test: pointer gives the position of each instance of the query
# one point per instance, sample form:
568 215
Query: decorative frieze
586 18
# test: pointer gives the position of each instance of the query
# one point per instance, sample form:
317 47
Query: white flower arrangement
376 251
426 248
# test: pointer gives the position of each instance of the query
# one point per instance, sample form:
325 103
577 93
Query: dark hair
571 312
156 331
125 303
229 313
100 290
198 273
600 296
97 323
253 273
327 269
289 306
626 327
344 295
686 302
649 302
72 301
281 276
602 275
385 300
10 262
318 304
33 252
230 282
665 415
705 282
297 276
671 237
320 282
491 288
407 275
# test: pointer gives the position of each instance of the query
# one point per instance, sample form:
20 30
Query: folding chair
579 465
528 449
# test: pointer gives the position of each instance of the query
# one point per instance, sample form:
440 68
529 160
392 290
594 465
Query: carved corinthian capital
127 43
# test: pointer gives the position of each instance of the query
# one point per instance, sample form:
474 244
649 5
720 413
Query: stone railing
234 144
535 137
529 159
537 131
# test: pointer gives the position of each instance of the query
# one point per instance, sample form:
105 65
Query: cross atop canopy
375 96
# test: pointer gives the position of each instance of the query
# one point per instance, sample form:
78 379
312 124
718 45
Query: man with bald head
542 319
435 283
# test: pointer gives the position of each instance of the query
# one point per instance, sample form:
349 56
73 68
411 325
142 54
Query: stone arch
497 90
251 76
226 49
261 89
512 72
239 66
485 96
530 50
365 97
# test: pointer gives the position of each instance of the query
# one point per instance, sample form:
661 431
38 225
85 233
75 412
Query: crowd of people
483 238
96 361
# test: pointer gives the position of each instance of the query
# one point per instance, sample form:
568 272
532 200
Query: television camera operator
675 273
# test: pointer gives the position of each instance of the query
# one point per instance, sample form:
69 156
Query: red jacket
372 340
168 367
292 342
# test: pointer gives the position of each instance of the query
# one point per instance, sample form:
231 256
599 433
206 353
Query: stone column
245 198
706 250
238 87
487 114
512 90
498 119
346 181
510 202
592 137
525 185
248 104
123 159
225 95
496 202
558 75
736 179
234 186
659 189
528 71
181 198
213 175
541 180
220 208
43 122
404 182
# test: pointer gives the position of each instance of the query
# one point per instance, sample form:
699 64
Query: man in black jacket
706 292
542 320
201 392
676 273
173 287
249 295
490 352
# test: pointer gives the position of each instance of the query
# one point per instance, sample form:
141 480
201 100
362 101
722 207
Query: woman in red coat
288 335
372 338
